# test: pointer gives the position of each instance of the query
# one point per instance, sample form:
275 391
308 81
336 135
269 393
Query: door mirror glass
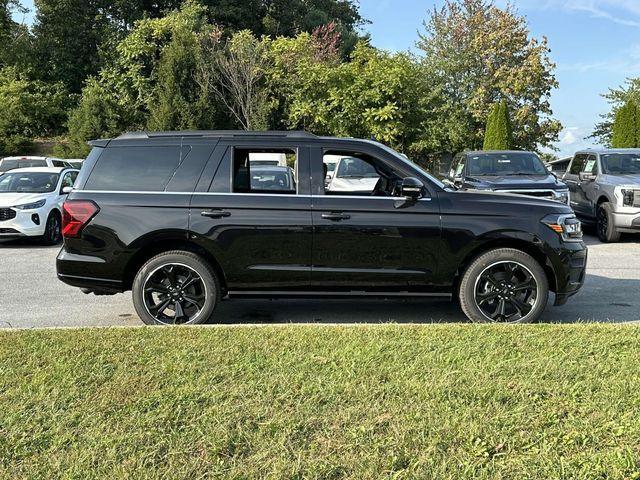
412 188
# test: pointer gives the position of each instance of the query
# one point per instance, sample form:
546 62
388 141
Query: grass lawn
436 401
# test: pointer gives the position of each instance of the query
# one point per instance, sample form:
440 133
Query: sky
594 43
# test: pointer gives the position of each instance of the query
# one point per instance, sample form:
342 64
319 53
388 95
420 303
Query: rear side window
147 169
264 170
58 163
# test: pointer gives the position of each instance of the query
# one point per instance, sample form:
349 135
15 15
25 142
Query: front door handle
336 216
215 213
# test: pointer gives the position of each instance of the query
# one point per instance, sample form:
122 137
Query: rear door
372 241
256 219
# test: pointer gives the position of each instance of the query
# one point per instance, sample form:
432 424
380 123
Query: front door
588 189
366 237
572 179
255 216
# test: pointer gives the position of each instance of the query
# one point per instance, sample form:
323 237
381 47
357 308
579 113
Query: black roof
216 133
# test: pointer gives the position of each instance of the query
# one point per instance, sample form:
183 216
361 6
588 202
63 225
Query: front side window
69 179
621 163
508 163
134 169
28 182
590 166
361 174
264 170
577 164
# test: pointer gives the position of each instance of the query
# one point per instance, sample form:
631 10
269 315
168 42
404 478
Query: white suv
31 202
10 163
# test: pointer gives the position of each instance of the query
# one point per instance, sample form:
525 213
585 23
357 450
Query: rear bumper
80 270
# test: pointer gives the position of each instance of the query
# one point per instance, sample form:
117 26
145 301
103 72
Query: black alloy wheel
506 292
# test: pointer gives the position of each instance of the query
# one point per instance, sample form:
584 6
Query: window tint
134 168
577 164
264 171
361 174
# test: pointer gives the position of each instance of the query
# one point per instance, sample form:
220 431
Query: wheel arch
151 249
519 244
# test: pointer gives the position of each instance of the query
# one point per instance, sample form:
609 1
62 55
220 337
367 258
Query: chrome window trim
144 192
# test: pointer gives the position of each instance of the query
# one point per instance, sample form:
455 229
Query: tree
478 54
498 134
234 70
29 109
625 126
617 98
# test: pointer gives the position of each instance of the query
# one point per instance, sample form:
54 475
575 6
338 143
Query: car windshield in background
355 168
621 163
7 164
28 182
513 163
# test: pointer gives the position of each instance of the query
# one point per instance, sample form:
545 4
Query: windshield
28 182
271 180
512 163
9 164
621 163
351 167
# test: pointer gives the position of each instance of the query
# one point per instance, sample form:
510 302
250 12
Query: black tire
605 225
504 276
53 229
179 282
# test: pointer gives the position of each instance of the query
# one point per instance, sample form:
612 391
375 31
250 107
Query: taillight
75 215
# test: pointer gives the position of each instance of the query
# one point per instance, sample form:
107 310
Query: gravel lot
31 296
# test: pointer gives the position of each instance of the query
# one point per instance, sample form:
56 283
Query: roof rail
216 133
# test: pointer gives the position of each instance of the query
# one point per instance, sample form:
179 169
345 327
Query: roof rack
216 133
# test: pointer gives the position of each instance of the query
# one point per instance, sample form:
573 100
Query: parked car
272 178
516 172
353 175
9 163
183 231
330 162
605 190
75 162
560 166
31 202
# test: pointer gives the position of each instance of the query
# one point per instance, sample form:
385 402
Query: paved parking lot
31 296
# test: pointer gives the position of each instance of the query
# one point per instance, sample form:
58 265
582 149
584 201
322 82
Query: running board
329 294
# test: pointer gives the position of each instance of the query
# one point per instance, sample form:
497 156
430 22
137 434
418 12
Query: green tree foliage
375 94
625 126
29 109
617 98
498 134
478 54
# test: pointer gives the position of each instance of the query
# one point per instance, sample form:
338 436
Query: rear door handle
336 216
215 213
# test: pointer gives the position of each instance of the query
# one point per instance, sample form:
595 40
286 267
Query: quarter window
134 169
265 170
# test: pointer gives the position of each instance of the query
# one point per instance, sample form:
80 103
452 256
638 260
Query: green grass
363 402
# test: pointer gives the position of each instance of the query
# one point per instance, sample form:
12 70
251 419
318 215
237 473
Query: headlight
567 226
628 195
31 206
562 196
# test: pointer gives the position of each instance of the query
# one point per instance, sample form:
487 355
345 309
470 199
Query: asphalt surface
31 296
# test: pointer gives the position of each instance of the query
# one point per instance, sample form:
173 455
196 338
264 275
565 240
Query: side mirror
66 190
449 183
587 177
458 181
412 188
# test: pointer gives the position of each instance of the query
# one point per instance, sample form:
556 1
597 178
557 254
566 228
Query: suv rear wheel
607 232
175 288
504 286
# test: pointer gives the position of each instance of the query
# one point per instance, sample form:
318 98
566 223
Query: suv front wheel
504 285
175 288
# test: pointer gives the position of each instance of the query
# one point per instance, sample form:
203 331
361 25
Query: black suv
506 172
184 219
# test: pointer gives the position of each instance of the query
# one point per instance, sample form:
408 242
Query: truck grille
547 194
7 214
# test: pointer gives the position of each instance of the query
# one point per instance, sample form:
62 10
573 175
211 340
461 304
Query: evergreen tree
498 134
625 126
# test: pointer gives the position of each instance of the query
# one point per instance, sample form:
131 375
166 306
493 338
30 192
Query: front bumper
570 267
26 223
628 221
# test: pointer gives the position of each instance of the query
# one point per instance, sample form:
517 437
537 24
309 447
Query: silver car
605 190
